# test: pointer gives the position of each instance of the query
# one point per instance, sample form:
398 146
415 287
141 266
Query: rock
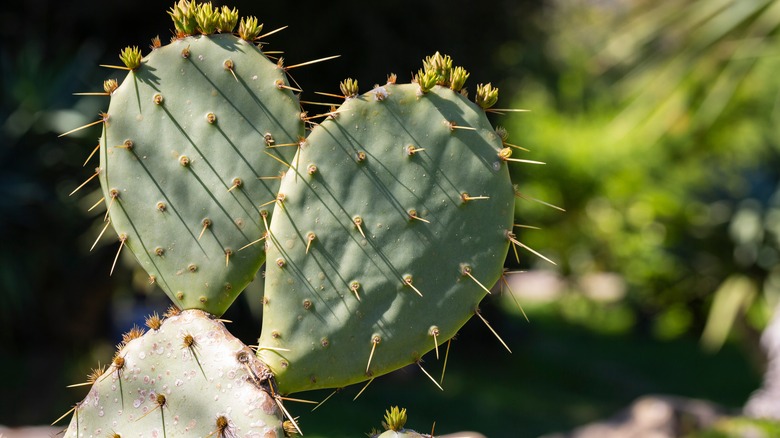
30 432
652 416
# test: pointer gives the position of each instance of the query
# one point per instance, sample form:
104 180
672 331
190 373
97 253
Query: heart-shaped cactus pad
390 226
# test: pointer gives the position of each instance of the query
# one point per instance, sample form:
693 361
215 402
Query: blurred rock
654 416
31 432
765 402
540 286
606 287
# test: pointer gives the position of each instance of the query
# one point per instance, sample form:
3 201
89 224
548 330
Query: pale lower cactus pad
188 378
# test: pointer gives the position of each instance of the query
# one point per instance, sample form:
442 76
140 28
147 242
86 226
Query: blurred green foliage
741 427
661 135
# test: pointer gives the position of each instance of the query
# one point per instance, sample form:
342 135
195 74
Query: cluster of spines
395 418
191 18
439 70
393 424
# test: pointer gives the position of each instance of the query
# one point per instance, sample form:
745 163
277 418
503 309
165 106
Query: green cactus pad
185 163
188 378
384 238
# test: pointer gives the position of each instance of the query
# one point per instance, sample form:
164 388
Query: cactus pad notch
386 250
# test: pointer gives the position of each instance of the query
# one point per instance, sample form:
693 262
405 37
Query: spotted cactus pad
188 378
385 237
186 161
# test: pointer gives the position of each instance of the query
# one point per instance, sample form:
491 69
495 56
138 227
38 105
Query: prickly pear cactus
192 146
187 377
391 222
387 234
